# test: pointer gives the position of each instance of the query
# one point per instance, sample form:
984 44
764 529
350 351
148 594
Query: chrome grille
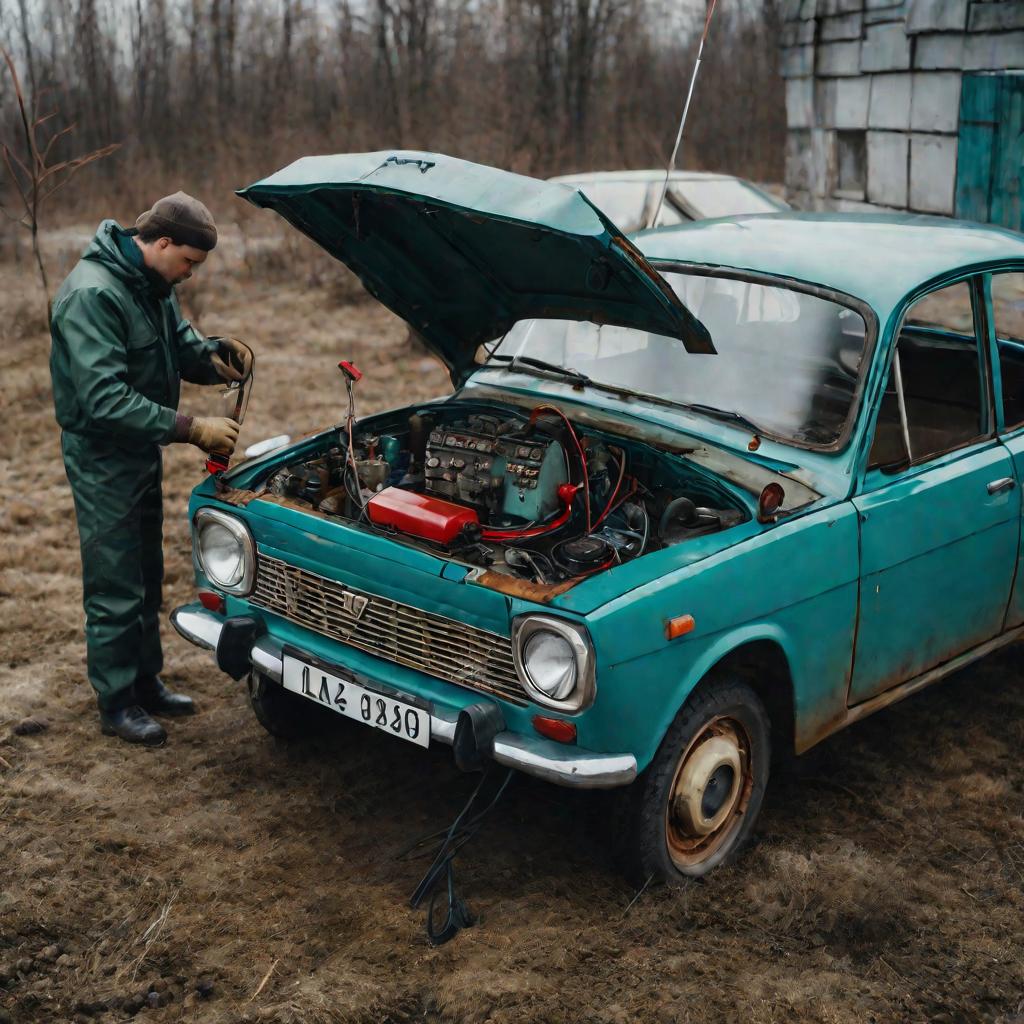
432 644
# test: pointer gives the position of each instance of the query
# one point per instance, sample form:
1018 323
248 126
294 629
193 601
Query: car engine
529 495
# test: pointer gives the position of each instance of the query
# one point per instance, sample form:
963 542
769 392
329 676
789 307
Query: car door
1004 294
939 504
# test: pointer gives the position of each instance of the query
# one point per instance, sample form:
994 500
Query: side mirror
892 468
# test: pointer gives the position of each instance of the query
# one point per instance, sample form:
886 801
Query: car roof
879 258
653 175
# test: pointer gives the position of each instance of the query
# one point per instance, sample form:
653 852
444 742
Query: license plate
353 701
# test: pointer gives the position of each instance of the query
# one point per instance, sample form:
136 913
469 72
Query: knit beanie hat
184 220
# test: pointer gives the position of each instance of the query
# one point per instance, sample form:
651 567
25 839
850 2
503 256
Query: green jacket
120 347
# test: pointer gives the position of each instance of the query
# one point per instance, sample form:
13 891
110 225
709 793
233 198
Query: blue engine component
532 473
514 479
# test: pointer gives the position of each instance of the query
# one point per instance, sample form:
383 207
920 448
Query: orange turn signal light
679 626
211 601
555 728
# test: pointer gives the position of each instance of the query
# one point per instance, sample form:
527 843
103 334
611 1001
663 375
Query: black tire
282 713
667 807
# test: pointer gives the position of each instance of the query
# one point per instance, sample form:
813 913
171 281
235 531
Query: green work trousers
120 526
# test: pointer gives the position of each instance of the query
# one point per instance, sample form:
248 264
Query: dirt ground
227 877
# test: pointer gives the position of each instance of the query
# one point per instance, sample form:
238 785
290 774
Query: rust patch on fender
234 496
541 593
295 506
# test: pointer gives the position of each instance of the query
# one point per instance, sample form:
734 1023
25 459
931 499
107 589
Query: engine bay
525 494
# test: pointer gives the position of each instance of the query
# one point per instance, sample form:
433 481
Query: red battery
419 515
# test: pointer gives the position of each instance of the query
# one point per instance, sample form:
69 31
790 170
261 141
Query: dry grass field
228 878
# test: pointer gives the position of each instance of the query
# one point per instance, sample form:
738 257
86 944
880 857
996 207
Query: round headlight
222 553
554 659
551 663
224 550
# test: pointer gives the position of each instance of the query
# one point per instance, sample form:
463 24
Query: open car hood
462 251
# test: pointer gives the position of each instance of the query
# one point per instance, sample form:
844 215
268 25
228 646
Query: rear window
722 197
622 202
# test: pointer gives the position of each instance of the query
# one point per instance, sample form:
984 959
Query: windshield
787 361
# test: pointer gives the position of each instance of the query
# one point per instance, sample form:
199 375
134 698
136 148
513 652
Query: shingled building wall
873 96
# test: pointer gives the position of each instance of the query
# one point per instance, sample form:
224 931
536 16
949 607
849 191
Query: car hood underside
462 251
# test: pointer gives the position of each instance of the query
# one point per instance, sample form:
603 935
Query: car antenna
682 121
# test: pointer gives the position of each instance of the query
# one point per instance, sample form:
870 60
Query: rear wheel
696 805
282 713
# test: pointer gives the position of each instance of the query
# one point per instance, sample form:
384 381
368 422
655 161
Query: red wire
534 531
537 531
618 484
579 449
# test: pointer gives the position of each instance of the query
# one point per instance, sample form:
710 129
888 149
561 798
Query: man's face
174 263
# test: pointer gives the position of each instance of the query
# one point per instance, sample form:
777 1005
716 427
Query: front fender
794 585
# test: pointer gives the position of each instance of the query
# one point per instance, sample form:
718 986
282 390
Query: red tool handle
216 463
350 370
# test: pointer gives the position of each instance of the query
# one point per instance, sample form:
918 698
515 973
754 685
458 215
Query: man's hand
234 360
213 433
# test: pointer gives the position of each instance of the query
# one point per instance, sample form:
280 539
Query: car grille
437 646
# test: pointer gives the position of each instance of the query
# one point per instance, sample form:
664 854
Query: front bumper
553 762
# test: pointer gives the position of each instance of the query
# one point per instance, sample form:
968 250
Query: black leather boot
151 694
132 723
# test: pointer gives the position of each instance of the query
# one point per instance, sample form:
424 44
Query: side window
1008 313
933 397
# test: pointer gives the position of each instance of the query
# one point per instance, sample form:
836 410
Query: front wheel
282 713
696 805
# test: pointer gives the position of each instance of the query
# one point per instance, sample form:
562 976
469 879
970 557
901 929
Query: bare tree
33 177
207 93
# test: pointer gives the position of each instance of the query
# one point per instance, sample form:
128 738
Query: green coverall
119 351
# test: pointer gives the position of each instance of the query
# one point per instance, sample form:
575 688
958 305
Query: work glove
213 433
233 360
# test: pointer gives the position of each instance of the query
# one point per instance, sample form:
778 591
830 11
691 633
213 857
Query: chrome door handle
1003 484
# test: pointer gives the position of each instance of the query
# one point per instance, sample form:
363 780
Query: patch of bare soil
229 878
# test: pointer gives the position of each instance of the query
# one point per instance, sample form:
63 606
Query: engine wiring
618 484
579 450
350 421
501 491
536 531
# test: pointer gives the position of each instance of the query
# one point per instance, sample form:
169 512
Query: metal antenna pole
686 110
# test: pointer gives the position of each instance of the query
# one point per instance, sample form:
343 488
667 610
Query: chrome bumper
553 762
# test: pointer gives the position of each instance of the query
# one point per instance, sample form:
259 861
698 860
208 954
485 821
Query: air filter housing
583 554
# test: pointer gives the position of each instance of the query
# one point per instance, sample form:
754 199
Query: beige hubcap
708 786
709 794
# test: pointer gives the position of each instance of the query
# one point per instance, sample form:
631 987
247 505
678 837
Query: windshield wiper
541 368
726 415
527 364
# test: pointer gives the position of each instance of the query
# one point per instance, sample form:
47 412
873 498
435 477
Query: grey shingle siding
892 70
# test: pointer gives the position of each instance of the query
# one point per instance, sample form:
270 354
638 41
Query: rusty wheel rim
709 794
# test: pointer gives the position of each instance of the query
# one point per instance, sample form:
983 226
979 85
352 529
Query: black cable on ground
461 830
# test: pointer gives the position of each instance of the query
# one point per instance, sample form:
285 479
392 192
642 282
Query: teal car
699 495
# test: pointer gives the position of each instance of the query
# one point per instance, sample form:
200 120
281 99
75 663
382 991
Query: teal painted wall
990 163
